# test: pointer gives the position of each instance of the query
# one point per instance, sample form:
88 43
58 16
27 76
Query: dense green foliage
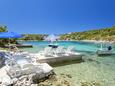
26 37
33 37
100 34
5 41
3 28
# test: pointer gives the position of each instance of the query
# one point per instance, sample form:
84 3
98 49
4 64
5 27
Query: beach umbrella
10 35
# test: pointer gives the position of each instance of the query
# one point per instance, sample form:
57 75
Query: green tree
3 28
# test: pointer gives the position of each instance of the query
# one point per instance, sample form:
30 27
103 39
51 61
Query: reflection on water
93 71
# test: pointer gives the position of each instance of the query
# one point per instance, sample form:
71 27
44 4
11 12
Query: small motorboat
53 45
105 51
53 39
58 55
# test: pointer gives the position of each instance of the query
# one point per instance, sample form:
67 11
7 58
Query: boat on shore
56 55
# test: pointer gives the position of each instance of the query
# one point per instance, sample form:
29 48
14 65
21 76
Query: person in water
109 47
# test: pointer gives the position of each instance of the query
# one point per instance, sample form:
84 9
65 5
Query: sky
56 16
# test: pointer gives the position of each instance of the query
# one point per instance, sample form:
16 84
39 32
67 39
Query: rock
18 84
31 75
2 60
96 83
3 85
30 79
66 83
53 77
61 74
69 76
4 78
92 83
23 77
24 81
28 83
38 77
6 81
34 84
14 80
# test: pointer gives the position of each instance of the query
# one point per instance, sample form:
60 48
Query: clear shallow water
80 46
98 69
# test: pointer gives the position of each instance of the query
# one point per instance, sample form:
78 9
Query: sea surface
94 71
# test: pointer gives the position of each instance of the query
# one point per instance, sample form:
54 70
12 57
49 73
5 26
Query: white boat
57 55
105 51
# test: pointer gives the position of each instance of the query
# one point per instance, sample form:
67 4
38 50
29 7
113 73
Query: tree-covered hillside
100 34
33 37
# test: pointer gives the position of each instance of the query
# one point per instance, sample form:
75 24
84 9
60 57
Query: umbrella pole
9 43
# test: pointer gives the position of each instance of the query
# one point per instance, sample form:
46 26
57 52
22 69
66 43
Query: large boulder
4 78
2 60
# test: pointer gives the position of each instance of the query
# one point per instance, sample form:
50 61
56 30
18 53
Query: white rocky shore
22 70
31 79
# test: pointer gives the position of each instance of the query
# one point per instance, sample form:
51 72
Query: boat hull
104 52
53 60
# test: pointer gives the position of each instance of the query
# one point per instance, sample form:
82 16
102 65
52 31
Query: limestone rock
34 84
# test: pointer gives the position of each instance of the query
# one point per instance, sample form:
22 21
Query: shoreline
98 41
30 40
91 41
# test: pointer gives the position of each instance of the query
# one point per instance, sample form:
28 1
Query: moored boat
57 55
105 51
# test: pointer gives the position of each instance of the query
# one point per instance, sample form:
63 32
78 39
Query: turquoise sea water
98 70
